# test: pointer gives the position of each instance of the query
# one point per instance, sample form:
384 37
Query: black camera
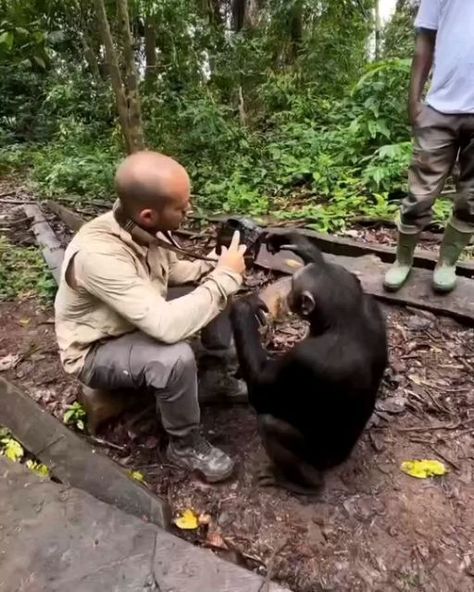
251 235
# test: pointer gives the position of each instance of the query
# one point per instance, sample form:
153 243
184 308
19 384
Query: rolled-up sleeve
428 15
185 272
114 280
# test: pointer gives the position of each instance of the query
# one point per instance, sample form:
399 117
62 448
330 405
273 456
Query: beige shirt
122 286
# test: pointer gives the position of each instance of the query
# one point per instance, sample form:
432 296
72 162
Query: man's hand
414 110
233 257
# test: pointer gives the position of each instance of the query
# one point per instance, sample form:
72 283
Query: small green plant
76 416
14 451
23 273
10 447
38 468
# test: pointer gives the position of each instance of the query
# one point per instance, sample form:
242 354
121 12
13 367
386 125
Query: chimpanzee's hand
280 241
258 307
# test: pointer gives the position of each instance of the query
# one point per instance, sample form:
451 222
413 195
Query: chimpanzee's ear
307 303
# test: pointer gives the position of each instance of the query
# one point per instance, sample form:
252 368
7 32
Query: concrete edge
73 461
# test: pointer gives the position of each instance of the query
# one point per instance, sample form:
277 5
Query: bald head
154 190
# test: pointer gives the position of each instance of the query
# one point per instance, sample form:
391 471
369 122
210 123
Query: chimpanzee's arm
253 358
297 244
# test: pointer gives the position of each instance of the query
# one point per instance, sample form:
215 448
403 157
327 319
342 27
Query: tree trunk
239 8
131 80
114 72
296 30
90 58
150 49
214 11
378 31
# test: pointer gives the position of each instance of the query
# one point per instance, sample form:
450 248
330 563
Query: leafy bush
23 272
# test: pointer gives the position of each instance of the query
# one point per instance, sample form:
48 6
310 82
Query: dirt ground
373 528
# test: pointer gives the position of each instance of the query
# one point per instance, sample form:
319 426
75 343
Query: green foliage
75 416
23 273
14 451
284 116
11 448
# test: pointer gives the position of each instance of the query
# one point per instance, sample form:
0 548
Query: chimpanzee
313 402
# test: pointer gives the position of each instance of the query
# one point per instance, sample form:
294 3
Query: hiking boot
219 384
453 244
195 453
398 273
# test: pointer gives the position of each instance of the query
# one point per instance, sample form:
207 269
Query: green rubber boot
454 242
398 273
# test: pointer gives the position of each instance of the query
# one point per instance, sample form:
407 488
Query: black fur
314 401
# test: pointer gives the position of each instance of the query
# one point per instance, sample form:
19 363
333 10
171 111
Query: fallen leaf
423 469
393 405
215 540
38 468
187 521
137 475
24 322
204 519
9 362
12 449
292 263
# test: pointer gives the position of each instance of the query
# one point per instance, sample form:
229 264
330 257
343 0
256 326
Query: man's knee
185 361
170 365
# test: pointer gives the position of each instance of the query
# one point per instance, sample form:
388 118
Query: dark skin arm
420 70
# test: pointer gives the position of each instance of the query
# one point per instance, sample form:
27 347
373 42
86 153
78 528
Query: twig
18 201
106 443
265 587
460 434
444 457
440 426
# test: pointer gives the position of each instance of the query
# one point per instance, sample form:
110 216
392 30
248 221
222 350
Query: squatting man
127 306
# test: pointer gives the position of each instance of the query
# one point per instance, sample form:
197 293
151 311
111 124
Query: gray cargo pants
137 362
439 140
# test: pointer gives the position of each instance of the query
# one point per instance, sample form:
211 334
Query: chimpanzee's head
324 294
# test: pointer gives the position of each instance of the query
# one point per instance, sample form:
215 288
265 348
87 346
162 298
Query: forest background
294 108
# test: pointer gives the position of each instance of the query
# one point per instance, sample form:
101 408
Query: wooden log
51 248
73 461
336 245
417 292
70 218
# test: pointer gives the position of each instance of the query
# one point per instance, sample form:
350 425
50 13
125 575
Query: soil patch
373 527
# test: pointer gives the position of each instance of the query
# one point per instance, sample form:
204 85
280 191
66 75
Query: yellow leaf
12 449
187 521
24 322
137 476
292 263
423 469
38 468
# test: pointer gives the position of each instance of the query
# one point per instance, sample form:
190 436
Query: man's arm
186 272
426 23
113 279
421 67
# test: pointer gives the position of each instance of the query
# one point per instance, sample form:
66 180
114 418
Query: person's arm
186 272
426 24
113 279
421 67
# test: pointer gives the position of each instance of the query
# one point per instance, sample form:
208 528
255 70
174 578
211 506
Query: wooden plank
336 245
70 218
73 461
417 292
51 248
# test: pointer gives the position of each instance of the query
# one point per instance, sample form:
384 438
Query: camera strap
142 236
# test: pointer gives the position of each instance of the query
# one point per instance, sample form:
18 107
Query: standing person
115 323
443 129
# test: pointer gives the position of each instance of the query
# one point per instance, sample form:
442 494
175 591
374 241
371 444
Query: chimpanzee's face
302 297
